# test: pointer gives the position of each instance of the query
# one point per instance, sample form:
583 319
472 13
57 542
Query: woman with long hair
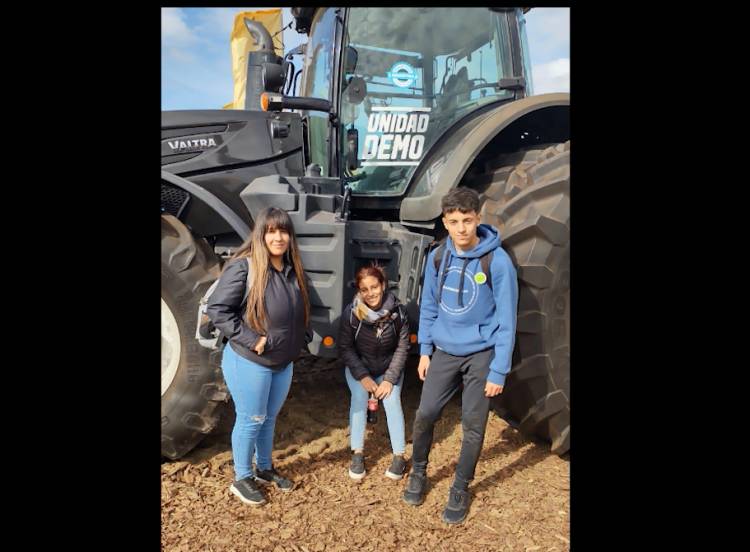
374 344
266 332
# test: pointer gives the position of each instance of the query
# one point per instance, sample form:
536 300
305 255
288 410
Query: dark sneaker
248 492
396 471
457 507
272 476
357 467
416 486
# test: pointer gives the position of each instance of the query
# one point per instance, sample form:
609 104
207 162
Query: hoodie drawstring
461 285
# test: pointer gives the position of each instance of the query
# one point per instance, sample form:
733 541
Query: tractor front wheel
193 392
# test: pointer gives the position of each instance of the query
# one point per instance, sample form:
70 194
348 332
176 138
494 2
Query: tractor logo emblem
189 145
402 74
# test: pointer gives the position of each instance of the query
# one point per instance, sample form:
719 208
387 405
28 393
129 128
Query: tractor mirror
350 63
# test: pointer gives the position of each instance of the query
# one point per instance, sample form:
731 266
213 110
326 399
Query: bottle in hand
372 409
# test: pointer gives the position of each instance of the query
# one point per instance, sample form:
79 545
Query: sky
196 63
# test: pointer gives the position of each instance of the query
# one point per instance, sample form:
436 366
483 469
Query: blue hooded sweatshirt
484 317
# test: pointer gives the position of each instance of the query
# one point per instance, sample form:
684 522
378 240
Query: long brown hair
254 248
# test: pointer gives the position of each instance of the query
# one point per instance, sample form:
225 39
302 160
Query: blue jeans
358 414
258 393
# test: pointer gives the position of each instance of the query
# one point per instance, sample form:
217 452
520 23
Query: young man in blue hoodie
467 322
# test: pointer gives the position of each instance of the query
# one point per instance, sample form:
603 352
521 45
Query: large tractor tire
528 200
193 392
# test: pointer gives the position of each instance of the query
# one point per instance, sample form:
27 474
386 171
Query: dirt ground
520 491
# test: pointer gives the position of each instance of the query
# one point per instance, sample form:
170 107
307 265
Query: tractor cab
398 79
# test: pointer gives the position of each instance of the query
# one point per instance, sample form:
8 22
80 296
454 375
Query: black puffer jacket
372 355
285 315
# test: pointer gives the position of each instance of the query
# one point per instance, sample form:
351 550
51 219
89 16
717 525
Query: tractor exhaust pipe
260 34
265 70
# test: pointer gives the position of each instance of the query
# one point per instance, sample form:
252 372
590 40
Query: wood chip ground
520 491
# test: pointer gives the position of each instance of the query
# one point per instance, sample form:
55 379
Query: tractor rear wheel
528 200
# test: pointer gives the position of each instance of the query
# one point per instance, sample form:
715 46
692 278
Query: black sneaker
272 476
248 492
396 471
415 488
357 467
457 507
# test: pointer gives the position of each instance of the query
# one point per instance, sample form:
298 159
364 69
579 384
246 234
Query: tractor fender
445 164
221 208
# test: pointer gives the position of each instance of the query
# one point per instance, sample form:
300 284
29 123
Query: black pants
444 376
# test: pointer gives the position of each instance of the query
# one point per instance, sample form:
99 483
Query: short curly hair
460 199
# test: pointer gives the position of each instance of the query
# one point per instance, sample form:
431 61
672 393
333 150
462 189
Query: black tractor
394 108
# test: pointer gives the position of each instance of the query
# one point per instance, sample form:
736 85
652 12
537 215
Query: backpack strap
398 322
219 335
205 327
359 327
249 280
486 262
439 250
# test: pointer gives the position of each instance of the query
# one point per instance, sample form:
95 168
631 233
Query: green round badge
480 277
